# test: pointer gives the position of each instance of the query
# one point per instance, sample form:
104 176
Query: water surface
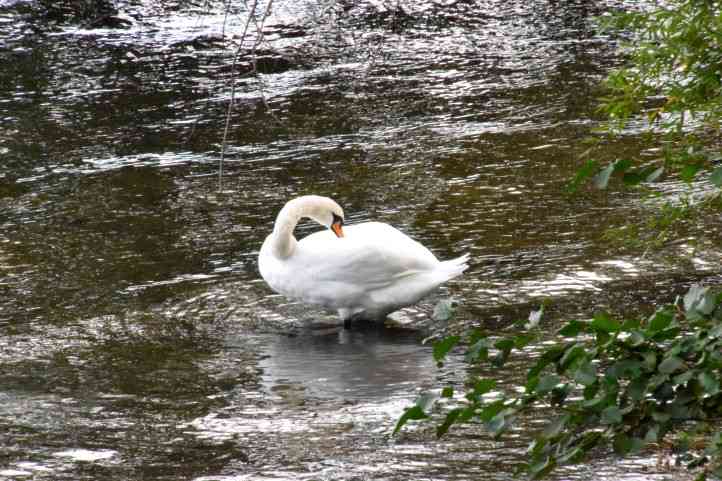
137 340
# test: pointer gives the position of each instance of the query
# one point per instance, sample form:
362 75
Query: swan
362 271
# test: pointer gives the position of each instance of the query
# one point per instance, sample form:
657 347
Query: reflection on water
132 318
361 364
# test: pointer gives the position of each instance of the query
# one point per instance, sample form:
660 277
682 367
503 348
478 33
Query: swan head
327 212
323 210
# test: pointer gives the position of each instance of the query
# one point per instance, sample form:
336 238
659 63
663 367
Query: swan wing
372 255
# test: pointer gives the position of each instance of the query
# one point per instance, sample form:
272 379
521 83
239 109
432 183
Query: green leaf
636 338
716 177
540 469
699 301
447 392
652 435
636 389
689 171
586 374
631 324
655 174
661 416
571 456
479 351
450 419
682 378
548 356
622 444
547 383
602 322
442 347
709 382
483 386
497 424
444 310
611 415
413 413
557 426
626 368
573 353
523 340
573 329
491 410
694 296
504 345
671 364
649 360
660 320
585 172
601 180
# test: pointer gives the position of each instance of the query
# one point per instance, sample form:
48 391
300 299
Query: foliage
671 91
623 384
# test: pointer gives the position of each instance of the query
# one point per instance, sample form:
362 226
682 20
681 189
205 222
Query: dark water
136 339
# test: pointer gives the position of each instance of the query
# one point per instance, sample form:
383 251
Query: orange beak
336 228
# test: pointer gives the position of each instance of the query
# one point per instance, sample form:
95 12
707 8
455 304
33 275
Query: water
136 338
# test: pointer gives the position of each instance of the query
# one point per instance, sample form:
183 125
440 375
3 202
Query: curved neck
283 242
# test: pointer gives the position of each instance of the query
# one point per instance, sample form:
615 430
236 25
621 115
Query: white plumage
371 270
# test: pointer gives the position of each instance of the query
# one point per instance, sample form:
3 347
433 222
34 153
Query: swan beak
336 228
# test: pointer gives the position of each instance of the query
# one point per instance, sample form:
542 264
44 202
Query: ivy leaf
624 444
413 413
699 301
602 322
444 310
688 172
601 180
491 410
656 173
498 424
442 347
709 382
652 435
557 426
586 171
660 321
586 375
483 386
669 365
573 329
547 383
451 417
573 353
611 415
479 351
636 389
540 469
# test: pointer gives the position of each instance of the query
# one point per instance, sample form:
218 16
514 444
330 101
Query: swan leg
348 321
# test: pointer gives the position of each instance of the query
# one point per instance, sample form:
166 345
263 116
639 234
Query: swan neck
284 243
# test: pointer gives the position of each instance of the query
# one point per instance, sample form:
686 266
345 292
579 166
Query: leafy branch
623 384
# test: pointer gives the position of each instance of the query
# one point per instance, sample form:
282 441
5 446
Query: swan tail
455 267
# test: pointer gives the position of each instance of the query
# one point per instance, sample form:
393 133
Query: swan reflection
358 364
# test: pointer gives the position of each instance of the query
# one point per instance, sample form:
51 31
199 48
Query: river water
137 340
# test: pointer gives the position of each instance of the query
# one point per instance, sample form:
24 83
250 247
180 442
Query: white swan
364 271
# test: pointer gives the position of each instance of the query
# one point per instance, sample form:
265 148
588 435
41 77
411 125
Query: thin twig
233 94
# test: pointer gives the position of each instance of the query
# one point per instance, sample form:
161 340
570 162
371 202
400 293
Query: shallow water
136 338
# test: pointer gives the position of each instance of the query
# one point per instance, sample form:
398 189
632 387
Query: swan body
363 271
